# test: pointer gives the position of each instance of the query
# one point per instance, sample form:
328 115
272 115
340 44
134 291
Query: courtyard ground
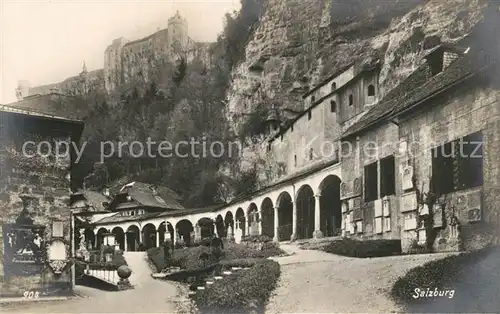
311 282
149 296
317 282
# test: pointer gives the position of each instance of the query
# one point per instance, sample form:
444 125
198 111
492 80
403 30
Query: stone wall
39 187
466 110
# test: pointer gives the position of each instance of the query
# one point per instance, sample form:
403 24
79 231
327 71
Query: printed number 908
31 294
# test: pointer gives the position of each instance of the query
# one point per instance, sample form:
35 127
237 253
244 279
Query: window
291 128
309 115
334 86
371 90
295 160
313 99
458 165
387 176
132 213
311 154
351 100
333 106
371 186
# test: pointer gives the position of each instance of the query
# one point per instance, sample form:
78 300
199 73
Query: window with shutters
458 165
371 182
387 176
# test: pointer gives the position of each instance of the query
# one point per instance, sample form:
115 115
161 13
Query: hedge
247 291
367 248
435 274
189 258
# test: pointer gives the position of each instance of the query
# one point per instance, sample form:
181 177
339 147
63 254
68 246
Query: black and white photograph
250 156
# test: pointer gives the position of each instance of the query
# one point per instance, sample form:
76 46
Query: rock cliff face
301 42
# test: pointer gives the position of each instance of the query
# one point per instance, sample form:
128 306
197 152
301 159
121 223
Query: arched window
351 100
309 115
371 90
334 86
295 160
313 99
333 106
311 154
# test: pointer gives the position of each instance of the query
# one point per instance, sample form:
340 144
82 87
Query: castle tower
177 32
22 89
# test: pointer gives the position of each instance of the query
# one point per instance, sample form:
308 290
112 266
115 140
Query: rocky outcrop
301 42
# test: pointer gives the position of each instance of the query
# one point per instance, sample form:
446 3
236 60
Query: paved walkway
318 282
149 296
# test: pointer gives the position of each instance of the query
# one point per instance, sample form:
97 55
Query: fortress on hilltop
129 61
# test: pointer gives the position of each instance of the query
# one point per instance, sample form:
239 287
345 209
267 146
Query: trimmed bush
248 291
436 274
256 238
367 248
189 258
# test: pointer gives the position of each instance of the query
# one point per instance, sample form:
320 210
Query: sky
46 41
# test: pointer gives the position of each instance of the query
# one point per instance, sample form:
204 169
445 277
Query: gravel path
318 282
149 296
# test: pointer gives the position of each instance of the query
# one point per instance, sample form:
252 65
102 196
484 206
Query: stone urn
124 273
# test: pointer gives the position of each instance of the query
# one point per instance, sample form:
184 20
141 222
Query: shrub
366 248
256 238
435 274
249 290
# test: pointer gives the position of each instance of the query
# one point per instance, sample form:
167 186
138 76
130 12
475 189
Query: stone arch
285 216
229 224
267 212
119 237
240 219
206 227
90 237
219 226
305 212
170 231
162 232
133 236
149 236
253 219
100 237
330 206
183 229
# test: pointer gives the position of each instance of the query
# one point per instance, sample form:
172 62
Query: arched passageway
229 224
149 236
100 237
267 211
285 216
133 238
162 231
119 237
305 212
183 231
240 220
89 238
253 219
219 224
206 227
330 206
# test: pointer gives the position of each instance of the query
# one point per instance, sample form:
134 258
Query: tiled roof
417 87
119 218
143 194
12 108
